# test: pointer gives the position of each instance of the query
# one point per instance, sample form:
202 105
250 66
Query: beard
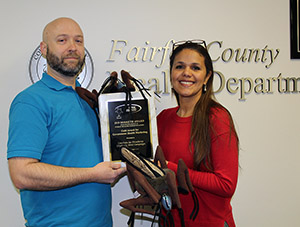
63 68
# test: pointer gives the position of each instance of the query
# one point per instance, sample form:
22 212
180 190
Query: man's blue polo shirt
51 123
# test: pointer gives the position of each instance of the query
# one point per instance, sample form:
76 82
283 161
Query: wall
267 122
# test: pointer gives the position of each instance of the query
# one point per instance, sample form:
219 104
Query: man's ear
43 47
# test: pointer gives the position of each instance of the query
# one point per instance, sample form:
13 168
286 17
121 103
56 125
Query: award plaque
129 124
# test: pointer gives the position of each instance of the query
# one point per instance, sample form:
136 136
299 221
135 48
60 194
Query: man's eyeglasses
196 41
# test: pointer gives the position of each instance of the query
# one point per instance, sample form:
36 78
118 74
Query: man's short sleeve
27 131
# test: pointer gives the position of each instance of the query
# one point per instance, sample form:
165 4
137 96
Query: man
54 150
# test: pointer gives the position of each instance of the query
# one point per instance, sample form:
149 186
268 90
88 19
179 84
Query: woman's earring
203 88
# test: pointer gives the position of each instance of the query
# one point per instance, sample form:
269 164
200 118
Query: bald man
54 152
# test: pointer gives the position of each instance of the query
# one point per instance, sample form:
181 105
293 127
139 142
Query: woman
201 132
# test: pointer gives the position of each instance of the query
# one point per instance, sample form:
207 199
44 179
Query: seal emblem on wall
38 65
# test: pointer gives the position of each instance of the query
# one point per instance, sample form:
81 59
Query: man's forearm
34 175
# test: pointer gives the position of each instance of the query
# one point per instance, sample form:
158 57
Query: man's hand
107 172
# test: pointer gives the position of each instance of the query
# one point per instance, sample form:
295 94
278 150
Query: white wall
268 187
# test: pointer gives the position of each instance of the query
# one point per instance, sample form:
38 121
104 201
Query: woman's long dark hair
201 126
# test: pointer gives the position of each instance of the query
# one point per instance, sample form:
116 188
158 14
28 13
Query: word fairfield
136 54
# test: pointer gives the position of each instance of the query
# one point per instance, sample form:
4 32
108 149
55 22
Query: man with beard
54 150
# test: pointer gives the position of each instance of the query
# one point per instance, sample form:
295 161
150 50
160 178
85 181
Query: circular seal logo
38 65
